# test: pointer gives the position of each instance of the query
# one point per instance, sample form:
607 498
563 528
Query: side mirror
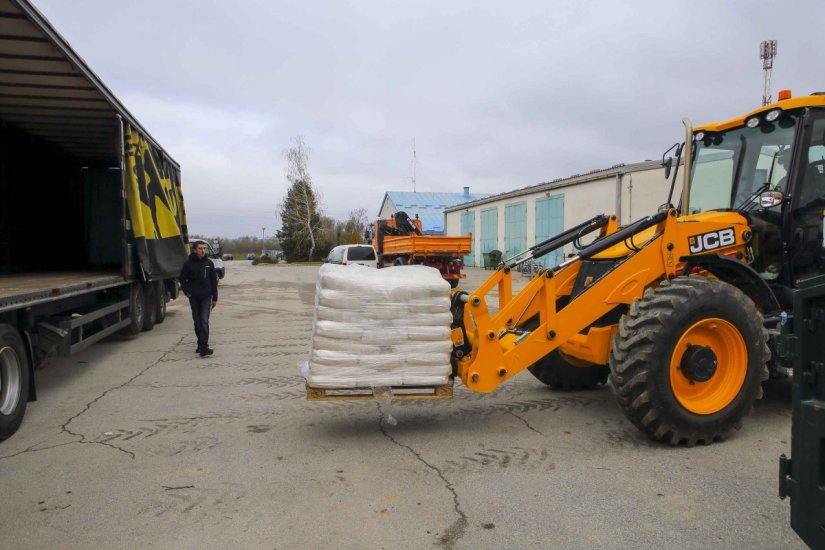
769 199
668 164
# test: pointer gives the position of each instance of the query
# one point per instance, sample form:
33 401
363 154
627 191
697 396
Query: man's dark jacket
198 277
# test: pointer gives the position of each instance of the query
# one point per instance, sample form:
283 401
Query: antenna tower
767 51
414 160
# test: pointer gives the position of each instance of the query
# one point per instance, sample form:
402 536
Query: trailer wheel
160 294
137 310
150 301
14 381
401 260
560 373
689 359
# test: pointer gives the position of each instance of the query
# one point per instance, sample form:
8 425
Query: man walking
199 282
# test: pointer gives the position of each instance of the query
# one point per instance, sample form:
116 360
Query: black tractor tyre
556 371
160 309
643 350
137 310
150 300
14 381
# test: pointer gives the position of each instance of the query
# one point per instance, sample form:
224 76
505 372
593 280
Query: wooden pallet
366 394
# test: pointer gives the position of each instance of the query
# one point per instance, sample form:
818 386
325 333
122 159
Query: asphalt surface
140 443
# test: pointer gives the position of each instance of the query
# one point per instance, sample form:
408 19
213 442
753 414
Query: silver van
345 254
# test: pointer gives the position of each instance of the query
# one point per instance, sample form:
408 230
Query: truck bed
427 245
29 289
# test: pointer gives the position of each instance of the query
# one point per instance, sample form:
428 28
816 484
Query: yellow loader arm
559 306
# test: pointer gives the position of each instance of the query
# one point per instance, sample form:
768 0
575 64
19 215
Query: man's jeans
201 306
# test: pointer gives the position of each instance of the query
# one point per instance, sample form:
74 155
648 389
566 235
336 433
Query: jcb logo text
711 240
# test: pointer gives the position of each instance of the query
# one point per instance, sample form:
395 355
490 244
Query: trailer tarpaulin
156 212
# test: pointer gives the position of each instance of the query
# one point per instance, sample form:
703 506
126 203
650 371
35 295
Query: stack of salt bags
380 327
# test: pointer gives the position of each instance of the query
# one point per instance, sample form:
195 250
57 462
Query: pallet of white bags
444 391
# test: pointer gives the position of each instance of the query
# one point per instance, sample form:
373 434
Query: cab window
360 253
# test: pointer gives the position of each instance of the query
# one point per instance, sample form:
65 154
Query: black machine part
403 226
802 477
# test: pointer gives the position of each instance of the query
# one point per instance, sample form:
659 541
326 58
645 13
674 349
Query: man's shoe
208 351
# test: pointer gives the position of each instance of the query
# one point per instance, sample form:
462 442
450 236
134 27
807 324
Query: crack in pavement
33 449
65 426
455 531
525 422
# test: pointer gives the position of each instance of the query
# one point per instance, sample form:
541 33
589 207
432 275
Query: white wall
644 191
641 194
387 209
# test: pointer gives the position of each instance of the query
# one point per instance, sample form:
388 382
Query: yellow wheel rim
731 366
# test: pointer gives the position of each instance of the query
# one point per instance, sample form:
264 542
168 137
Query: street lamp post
263 237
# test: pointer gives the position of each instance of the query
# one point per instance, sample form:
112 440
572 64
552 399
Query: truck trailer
92 222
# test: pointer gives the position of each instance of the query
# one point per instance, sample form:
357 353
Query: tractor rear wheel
689 359
561 372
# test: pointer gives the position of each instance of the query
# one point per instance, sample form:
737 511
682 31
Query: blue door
515 228
468 225
489 229
550 222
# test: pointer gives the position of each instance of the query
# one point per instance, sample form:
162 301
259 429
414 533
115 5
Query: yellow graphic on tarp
152 190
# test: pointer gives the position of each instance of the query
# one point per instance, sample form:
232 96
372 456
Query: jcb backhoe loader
680 308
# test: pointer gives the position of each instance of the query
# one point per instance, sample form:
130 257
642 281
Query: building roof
562 182
430 207
48 91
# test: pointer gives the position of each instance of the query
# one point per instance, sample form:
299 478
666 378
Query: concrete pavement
140 443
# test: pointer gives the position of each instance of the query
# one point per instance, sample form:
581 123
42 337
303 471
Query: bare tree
300 210
355 226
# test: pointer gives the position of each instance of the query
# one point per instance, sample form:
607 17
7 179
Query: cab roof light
784 94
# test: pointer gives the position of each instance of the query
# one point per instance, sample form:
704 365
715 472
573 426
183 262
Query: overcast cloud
497 95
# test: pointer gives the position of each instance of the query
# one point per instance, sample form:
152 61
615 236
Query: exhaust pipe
688 166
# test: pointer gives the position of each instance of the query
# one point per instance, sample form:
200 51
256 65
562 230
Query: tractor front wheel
689 359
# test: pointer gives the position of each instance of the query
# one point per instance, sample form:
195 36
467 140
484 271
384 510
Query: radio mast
767 51
414 160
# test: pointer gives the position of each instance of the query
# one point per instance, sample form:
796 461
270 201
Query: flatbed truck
400 241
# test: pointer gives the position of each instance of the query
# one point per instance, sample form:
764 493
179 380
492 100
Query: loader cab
770 167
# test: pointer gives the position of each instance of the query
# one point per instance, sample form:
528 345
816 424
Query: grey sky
498 95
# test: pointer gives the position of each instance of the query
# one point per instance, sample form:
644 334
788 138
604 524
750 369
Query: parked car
220 268
345 254
250 256
228 257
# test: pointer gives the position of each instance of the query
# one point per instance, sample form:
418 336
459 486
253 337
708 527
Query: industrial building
429 207
514 220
